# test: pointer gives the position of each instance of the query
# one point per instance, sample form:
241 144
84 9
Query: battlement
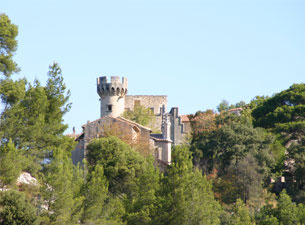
115 87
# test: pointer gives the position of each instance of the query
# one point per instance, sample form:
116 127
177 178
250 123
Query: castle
113 102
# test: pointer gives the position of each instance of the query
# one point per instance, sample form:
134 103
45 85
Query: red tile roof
185 118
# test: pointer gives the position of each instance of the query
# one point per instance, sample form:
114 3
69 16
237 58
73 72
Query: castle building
113 102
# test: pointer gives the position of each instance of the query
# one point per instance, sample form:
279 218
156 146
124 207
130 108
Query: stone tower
112 95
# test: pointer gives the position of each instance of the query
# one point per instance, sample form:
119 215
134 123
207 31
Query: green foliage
140 114
225 106
295 172
99 208
266 216
242 156
15 209
10 164
12 91
287 211
59 194
130 176
187 195
120 162
8 45
142 205
33 116
246 180
240 215
232 141
284 111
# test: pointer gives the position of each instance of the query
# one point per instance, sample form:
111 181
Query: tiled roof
235 109
132 122
120 119
75 136
184 118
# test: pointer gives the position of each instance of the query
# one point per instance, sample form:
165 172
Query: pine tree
240 214
15 209
10 164
8 45
287 211
187 195
99 207
58 190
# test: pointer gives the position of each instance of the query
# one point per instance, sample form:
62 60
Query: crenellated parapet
114 87
112 95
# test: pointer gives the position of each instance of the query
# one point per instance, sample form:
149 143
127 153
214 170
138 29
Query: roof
185 118
120 119
146 95
235 109
132 122
81 136
75 136
159 138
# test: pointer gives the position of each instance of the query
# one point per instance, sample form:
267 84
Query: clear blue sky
197 52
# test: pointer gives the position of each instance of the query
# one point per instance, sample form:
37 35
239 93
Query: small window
109 108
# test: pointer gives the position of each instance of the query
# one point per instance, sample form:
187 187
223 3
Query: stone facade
112 95
113 103
180 126
130 132
157 103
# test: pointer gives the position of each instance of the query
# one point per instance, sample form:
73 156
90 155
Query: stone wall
157 103
133 134
179 129
112 95
78 154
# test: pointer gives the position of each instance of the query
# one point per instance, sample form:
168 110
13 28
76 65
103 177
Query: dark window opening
109 108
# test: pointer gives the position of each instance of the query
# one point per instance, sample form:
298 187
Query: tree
140 114
8 45
33 116
242 157
245 180
99 207
60 190
233 139
223 106
295 170
240 214
10 164
120 162
286 211
131 177
142 205
15 209
187 196
284 112
284 115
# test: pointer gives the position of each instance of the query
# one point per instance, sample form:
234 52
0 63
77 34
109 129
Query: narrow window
109 108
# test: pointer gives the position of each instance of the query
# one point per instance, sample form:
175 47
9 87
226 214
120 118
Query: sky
197 52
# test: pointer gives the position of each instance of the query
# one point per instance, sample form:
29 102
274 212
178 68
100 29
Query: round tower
112 95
